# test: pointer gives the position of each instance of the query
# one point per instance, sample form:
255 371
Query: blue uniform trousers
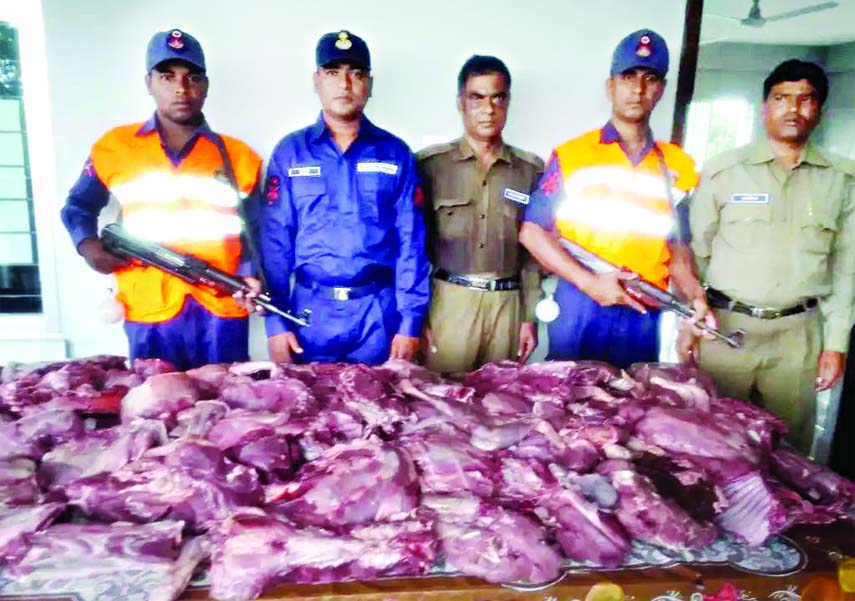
584 330
192 338
358 330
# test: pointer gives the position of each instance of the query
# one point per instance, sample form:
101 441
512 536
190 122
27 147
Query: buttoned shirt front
473 214
340 218
771 237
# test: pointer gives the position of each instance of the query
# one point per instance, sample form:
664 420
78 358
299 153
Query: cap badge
643 48
175 40
343 43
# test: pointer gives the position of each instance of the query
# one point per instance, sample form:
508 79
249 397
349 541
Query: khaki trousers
775 368
471 327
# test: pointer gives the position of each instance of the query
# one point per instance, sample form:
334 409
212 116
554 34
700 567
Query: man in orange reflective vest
180 184
614 192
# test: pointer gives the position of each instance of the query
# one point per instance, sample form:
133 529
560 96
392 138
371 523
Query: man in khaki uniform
773 228
485 286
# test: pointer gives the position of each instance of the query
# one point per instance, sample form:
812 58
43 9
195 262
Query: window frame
27 19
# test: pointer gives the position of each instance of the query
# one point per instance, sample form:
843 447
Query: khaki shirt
769 237
473 217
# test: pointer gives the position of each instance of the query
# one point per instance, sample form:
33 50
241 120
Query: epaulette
426 153
725 160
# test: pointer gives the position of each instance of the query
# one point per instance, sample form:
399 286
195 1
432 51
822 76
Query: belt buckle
341 293
476 283
765 313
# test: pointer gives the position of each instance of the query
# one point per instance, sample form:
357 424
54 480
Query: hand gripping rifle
190 269
668 301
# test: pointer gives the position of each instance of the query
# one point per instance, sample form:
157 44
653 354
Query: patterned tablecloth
92 582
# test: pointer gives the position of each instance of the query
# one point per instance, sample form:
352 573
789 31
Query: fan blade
803 11
721 17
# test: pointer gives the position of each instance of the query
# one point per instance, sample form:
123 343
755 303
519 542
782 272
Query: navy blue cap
642 48
174 45
342 46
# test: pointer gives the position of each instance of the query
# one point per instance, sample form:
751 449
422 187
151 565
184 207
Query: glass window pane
13 182
14 216
11 149
16 249
20 289
10 114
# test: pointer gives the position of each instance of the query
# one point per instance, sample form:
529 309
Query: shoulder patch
436 149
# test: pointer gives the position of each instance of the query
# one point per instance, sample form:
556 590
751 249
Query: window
717 126
20 288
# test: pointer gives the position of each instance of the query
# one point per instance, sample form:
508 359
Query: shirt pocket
454 216
746 225
818 228
308 187
376 195
509 209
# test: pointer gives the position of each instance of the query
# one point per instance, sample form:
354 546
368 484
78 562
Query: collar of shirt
464 151
609 135
153 125
320 129
761 152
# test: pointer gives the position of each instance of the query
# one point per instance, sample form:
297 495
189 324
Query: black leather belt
343 293
720 300
488 284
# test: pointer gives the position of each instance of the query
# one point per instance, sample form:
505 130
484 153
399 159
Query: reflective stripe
192 207
615 199
614 215
620 179
170 225
163 187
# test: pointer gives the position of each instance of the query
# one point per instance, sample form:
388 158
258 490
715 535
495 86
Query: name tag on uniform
376 167
515 196
304 171
750 198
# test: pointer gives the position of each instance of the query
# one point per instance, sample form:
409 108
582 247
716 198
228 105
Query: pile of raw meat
281 473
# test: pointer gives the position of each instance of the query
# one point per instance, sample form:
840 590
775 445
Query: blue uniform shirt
89 194
341 218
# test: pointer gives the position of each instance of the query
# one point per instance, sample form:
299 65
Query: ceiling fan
756 19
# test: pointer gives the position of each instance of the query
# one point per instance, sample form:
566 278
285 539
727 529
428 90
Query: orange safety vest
191 208
619 211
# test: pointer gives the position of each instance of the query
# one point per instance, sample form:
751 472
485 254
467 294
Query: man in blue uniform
340 212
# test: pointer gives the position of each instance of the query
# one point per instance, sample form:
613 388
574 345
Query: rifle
189 268
668 301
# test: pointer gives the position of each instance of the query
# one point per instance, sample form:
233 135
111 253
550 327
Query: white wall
727 70
260 58
837 132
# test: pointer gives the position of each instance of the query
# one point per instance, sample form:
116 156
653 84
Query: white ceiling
832 26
